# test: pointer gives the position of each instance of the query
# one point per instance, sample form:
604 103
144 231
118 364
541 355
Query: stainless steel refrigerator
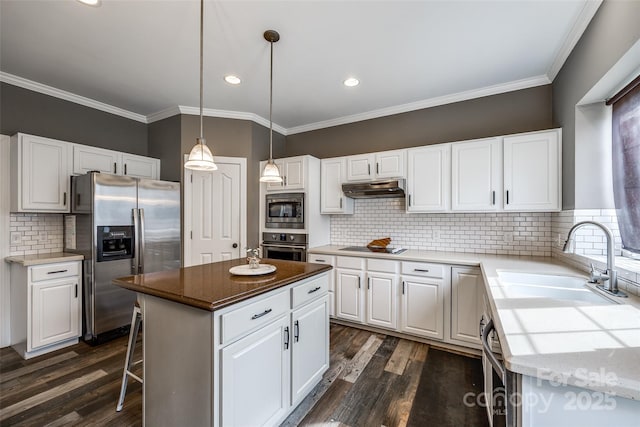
122 226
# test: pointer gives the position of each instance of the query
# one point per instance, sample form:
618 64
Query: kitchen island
221 349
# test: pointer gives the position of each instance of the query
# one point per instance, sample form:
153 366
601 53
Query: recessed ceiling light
91 2
351 81
233 80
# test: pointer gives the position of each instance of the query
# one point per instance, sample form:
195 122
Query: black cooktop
392 251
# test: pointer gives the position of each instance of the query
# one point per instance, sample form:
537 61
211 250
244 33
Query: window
626 164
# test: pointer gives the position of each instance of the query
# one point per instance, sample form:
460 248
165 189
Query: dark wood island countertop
212 287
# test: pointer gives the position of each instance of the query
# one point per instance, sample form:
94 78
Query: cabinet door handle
57 271
421 270
259 315
296 331
316 289
115 167
377 167
368 169
78 199
340 202
286 338
409 200
64 198
358 282
493 197
125 168
76 290
285 180
403 287
507 196
369 283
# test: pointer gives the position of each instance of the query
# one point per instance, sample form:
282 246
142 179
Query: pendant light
271 173
200 157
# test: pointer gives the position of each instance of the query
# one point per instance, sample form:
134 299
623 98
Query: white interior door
215 213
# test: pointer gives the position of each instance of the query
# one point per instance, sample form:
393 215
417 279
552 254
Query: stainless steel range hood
377 189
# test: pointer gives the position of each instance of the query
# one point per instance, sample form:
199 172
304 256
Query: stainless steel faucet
608 280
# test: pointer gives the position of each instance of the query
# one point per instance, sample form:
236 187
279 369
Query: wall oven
284 210
290 247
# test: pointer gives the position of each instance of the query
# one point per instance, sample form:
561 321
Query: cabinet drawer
350 262
423 269
382 265
53 271
310 290
322 259
254 315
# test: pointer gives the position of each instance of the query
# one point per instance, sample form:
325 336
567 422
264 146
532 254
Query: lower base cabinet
423 307
255 377
467 296
349 304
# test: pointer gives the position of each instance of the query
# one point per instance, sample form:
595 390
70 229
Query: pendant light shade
200 157
271 173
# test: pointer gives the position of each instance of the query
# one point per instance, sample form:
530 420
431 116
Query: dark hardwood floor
373 380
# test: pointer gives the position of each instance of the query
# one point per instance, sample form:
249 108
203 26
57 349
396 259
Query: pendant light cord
201 61
271 107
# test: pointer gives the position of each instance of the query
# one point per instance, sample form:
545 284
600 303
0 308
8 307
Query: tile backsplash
31 233
488 233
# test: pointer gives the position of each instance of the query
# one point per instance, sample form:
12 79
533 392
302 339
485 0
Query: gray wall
512 112
611 33
165 144
23 110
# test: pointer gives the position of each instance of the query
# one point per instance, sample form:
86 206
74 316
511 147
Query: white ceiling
140 58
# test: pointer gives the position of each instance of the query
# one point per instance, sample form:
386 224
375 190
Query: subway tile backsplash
487 233
31 233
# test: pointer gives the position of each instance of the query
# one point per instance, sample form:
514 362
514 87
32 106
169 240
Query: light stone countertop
593 346
29 260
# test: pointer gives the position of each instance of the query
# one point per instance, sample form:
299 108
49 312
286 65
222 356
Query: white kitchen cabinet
329 260
373 166
40 170
47 302
87 159
429 178
140 166
532 171
467 304
382 293
255 377
310 347
476 175
423 298
332 199
292 170
350 296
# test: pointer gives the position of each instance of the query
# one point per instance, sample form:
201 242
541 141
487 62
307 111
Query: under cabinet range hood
376 189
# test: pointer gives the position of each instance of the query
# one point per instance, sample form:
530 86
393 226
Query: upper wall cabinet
476 175
87 159
385 164
40 170
332 199
428 181
292 173
140 166
532 171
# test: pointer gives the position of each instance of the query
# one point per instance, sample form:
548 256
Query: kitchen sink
530 285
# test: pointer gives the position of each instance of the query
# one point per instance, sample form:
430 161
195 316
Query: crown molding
426 103
227 114
68 96
585 16
163 114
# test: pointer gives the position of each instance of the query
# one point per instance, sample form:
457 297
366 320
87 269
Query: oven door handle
292 247
486 348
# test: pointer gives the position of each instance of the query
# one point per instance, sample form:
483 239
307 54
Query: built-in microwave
284 210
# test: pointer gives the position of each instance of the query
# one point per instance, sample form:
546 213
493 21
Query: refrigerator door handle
135 266
141 244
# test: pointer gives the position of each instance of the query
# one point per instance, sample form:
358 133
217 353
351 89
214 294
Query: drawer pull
421 270
321 260
264 313
317 288
57 271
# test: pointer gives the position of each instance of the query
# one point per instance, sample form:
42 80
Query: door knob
235 245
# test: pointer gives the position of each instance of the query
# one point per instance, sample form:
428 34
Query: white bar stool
136 319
